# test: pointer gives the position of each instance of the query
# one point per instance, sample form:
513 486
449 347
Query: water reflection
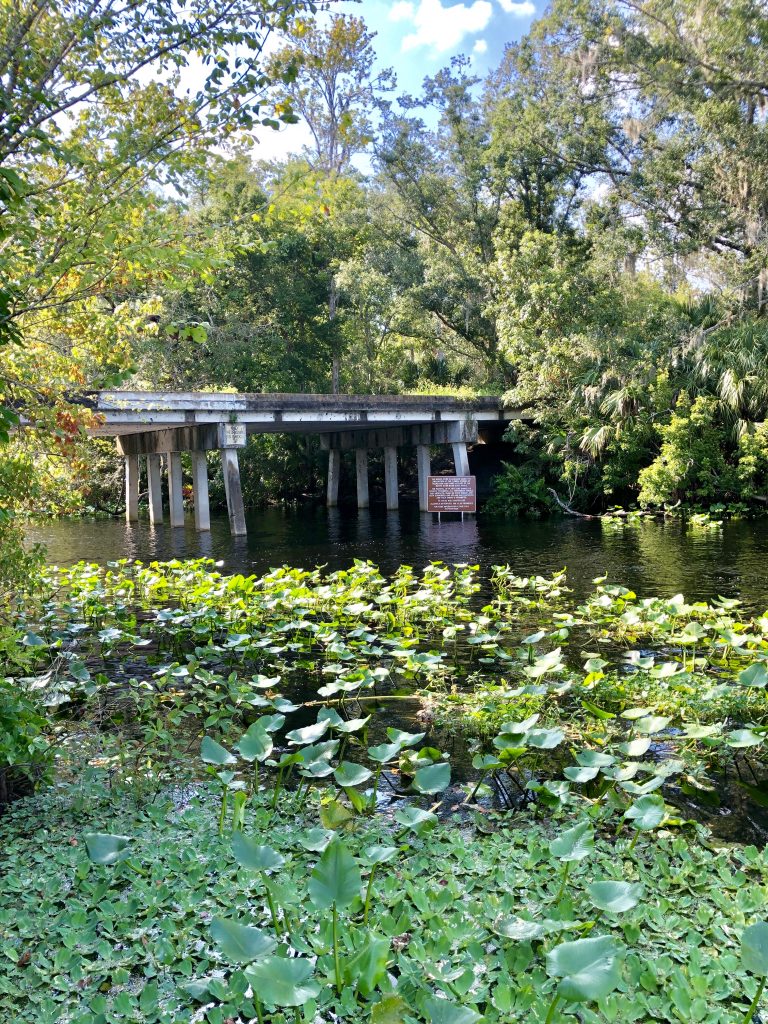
654 558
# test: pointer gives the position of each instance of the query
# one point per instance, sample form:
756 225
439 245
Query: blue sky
418 37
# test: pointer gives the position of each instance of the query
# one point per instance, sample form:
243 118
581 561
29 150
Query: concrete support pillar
334 472
361 468
234 491
200 491
460 459
131 488
155 480
390 477
175 492
425 469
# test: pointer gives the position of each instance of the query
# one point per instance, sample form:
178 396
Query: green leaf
390 1009
335 879
103 848
416 820
754 948
651 724
309 734
589 968
441 1011
594 759
615 897
378 854
574 844
740 738
255 744
280 981
755 674
368 965
213 753
241 943
253 857
432 779
317 839
580 775
350 774
646 813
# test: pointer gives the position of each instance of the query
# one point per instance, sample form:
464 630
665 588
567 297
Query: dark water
656 558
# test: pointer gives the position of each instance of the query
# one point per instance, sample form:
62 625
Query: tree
333 85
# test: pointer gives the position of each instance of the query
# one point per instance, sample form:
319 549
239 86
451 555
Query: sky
418 37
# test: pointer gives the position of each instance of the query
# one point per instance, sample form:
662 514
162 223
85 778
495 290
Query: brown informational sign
451 494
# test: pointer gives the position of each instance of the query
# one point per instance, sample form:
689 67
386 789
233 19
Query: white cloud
441 28
480 46
401 11
525 9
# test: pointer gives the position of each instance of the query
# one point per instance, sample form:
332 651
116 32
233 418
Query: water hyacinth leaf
104 848
255 744
647 813
252 856
280 981
754 948
335 879
432 779
441 1011
198 989
588 968
213 753
416 820
574 844
264 682
632 714
350 774
309 734
651 724
241 943
614 897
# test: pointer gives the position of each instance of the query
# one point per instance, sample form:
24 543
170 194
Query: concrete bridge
159 426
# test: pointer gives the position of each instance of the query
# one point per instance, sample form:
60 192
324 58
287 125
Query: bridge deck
132 412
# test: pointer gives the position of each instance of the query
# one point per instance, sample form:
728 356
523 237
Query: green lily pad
588 968
754 948
615 897
103 848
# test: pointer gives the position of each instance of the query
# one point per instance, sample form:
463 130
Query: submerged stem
565 880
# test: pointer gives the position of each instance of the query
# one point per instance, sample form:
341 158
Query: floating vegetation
256 818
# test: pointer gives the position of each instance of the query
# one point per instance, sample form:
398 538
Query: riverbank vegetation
582 230
430 796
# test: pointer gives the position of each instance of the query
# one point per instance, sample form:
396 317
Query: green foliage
26 754
519 491
692 464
